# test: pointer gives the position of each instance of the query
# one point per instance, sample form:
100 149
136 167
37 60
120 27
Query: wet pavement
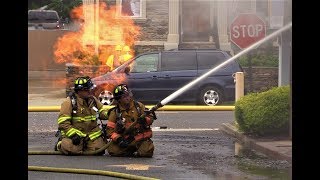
278 147
178 155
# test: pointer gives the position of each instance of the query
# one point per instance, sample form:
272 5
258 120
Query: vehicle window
173 61
43 16
145 63
207 60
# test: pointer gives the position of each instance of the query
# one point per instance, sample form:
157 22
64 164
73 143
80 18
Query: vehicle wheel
105 96
210 96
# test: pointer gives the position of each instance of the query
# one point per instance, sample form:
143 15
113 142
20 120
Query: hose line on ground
88 171
58 152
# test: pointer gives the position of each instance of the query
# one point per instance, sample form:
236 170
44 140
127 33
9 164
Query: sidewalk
46 88
55 98
275 148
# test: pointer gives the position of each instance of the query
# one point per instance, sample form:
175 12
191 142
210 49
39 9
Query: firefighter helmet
121 90
118 48
83 83
126 48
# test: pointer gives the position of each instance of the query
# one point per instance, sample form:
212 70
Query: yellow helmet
126 48
118 48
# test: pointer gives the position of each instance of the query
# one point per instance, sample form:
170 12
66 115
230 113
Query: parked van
154 76
43 19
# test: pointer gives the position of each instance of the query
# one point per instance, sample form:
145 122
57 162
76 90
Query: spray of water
253 46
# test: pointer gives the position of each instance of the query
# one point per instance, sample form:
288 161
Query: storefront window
131 8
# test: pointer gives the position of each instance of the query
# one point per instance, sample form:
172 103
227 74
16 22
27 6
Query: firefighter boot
57 146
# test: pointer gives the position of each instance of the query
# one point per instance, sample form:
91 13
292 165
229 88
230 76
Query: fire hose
189 85
82 171
154 108
89 172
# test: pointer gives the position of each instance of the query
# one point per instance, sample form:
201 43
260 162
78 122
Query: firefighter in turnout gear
114 60
126 54
77 121
128 126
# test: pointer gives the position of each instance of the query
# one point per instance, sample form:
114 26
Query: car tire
104 96
210 96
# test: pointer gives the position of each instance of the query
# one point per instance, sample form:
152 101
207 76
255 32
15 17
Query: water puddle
258 164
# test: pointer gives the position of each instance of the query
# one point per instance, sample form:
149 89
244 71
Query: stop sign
247 29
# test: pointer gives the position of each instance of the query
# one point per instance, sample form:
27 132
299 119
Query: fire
96 39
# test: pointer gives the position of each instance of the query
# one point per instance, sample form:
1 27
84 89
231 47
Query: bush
264 113
260 60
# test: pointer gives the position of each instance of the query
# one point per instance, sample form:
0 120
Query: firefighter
77 120
128 126
126 54
114 60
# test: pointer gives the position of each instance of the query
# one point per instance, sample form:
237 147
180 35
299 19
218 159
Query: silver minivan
43 19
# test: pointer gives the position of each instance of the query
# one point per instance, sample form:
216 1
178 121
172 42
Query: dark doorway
195 21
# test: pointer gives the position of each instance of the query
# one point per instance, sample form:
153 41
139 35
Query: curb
273 149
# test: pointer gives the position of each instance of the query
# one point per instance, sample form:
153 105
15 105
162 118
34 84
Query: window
145 63
132 8
207 60
276 14
43 16
195 21
173 61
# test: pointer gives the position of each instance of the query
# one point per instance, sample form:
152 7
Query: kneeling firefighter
128 126
77 121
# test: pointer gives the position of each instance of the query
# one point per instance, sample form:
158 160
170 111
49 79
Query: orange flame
102 34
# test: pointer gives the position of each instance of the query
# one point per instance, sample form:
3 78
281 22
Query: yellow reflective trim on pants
80 133
73 131
94 135
63 118
86 118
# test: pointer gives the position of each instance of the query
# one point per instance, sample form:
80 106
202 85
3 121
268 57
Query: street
191 147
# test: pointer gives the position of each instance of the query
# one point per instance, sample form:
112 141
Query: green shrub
264 113
260 60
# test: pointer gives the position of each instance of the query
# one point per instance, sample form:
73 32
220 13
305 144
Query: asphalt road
192 147
46 121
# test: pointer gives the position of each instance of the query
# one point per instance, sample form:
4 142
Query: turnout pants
70 149
142 148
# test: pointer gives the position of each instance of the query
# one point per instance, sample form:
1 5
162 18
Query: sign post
245 30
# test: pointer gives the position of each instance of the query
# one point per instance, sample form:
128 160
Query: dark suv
44 19
155 75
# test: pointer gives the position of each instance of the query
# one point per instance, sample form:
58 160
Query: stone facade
155 27
147 48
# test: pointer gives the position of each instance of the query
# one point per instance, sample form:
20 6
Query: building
169 24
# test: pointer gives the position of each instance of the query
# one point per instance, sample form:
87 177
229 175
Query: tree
64 7
35 4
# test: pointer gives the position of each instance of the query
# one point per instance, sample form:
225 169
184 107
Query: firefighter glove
122 142
119 127
76 139
142 119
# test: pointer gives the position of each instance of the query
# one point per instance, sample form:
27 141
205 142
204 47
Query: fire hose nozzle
157 106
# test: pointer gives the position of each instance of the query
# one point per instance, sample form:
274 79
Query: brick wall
263 78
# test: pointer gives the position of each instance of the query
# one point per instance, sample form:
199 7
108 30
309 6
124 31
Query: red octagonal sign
247 29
